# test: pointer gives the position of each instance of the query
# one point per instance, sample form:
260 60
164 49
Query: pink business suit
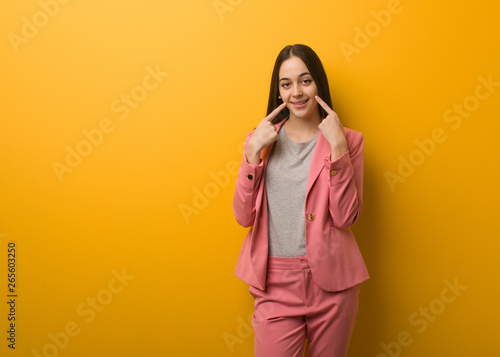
333 204
314 296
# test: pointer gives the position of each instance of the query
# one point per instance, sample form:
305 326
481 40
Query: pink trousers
293 308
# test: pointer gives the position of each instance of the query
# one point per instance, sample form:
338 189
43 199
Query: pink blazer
333 204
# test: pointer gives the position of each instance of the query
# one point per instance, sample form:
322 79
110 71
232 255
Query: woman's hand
333 131
264 135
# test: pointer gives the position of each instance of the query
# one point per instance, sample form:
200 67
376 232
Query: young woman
300 188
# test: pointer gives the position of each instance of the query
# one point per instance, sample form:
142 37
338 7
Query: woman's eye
307 81
285 85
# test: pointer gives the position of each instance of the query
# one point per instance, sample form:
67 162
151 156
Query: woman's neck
301 129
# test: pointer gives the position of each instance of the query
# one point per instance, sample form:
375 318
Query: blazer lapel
322 151
260 244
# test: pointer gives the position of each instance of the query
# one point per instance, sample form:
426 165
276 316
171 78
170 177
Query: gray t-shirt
286 185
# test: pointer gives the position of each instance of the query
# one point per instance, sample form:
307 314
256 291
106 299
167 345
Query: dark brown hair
313 64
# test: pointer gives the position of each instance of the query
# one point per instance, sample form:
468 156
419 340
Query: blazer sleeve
346 183
247 188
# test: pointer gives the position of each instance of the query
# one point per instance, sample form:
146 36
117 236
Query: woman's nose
296 91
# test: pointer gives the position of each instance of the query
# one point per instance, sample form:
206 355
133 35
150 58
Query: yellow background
120 207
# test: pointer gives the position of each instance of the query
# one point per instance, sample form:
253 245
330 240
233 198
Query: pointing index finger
324 105
275 112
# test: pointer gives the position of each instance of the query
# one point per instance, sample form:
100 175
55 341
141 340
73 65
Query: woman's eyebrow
300 75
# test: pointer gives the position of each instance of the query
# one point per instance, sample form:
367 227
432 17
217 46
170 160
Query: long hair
315 67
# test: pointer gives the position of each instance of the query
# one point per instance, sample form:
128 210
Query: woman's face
297 89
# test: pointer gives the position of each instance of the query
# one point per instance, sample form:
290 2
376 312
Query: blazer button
311 216
250 176
333 172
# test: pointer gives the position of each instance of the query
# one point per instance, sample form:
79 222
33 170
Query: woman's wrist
252 155
338 149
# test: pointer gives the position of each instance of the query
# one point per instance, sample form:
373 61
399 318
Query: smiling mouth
299 103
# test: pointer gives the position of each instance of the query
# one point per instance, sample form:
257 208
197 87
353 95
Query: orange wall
121 132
